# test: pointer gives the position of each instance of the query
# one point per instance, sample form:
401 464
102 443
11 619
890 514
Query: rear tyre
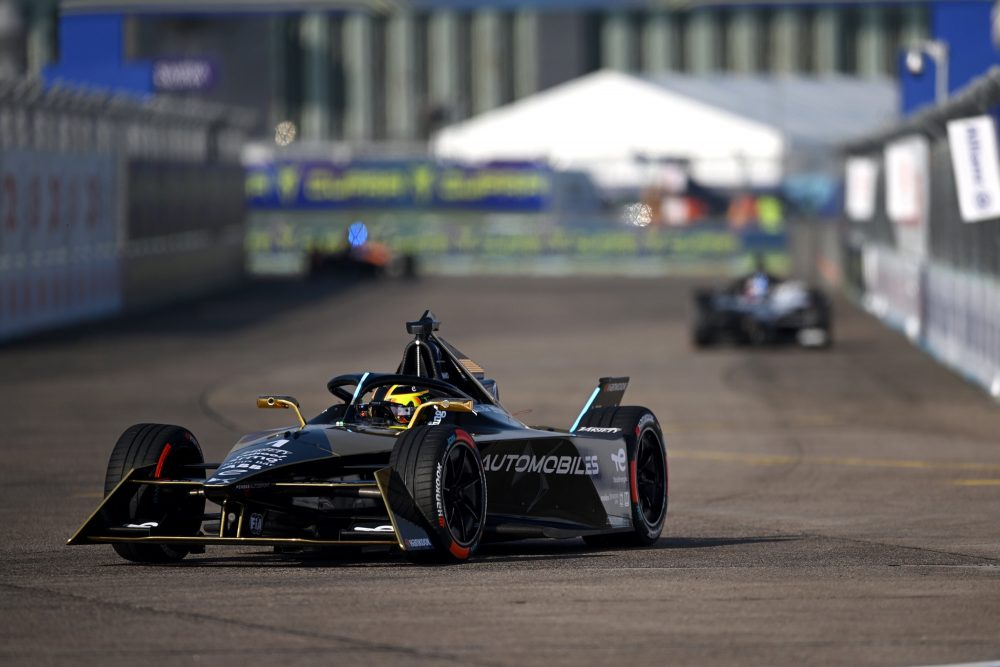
703 335
648 473
175 511
443 473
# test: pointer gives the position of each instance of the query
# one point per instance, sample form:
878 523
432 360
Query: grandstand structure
396 70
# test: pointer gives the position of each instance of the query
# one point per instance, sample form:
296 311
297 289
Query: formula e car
424 460
762 309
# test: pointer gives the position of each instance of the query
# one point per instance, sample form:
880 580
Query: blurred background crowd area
153 151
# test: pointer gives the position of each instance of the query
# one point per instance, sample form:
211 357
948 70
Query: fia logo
620 460
256 524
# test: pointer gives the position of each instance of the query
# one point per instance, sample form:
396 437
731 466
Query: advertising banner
181 75
860 180
907 188
893 288
319 185
973 143
58 250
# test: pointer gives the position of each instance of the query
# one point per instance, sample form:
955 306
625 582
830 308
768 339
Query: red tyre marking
459 552
162 460
634 483
465 437
666 476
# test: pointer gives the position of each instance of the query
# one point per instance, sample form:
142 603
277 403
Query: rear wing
609 393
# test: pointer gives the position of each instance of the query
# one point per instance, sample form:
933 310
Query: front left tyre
173 510
443 472
648 472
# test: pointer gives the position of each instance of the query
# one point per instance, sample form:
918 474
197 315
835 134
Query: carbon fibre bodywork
328 482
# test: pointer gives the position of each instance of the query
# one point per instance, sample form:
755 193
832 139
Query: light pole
937 51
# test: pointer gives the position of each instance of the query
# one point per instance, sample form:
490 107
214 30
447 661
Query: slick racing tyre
174 510
703 335
648 472
443 472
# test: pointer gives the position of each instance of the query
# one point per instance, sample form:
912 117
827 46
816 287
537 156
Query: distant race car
761 309
425 460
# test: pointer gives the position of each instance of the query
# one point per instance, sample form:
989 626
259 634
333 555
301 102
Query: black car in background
762 309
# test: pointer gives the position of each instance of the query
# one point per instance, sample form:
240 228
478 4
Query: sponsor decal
617 499
256 524
861 185
549 465
616 386
620 459
646 419
257 459
183 75
247 486
976 165
418 543
279 443
599 429
439 501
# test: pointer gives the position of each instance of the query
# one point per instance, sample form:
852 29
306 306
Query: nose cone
270 453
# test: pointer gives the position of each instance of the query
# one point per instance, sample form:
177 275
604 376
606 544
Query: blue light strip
585 408
357 390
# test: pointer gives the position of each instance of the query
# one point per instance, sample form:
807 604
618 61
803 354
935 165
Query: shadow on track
230 310
504 552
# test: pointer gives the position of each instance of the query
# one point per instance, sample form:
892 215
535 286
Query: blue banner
317 185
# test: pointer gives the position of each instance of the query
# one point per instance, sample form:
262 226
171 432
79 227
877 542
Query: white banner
58 240
860 182
907 188
973 143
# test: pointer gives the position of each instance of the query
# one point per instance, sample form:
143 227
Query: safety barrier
71 167
923 215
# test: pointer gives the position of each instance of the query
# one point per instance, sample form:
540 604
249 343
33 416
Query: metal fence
915 256
74 242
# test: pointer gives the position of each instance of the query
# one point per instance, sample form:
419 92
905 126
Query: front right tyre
173 511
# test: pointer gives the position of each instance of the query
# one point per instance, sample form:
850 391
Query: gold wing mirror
283 402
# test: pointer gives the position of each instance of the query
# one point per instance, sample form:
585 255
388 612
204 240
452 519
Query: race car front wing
406 533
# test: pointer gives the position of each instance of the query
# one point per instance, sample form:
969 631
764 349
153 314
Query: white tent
733 131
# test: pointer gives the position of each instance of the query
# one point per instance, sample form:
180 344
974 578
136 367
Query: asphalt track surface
837 507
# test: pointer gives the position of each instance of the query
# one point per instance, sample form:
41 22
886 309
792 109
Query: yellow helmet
405 399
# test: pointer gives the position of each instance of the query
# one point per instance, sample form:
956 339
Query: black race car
762 309
425 460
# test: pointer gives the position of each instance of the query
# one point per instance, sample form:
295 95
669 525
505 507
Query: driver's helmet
757 285
403 400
